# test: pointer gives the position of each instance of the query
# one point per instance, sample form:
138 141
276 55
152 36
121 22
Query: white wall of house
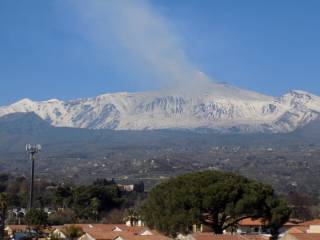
86 237
314 229
249 229
138 223
185 237
59 233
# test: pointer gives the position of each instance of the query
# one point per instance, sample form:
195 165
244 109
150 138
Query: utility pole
32 149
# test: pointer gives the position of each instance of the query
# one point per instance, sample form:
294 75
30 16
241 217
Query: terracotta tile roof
262 222
312 222
105 227
113 231
114 227
295 220
210 236
289 223
98 235
252 222
17 227
256 237
60 227
101 235
306 236
298 229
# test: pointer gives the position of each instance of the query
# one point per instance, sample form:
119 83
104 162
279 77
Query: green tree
277 215
83 203
3 210
36 218
72 232
3 182
54 236
131 215
95 205
62 196
62 217
103 182
176 205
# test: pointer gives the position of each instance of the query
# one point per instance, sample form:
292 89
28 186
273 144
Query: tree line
220 199
102 200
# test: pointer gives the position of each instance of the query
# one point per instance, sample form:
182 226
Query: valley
287 161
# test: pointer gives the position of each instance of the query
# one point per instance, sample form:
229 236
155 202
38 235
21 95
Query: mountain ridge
217 106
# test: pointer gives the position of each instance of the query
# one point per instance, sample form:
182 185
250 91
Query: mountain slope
216 106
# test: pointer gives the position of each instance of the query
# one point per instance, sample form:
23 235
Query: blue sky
69 49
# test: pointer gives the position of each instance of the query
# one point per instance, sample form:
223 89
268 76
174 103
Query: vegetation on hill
288 162
101 201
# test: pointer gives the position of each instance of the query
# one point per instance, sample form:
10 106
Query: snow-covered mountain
216 106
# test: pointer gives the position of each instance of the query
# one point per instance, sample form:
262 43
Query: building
211 236
305 231
12 229
127 188
135 222
137 187
113 232
259 226
301 236
59 230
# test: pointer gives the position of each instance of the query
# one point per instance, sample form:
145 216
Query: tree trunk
274 234
218 229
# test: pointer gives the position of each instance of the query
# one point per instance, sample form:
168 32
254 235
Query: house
127 188
15 215
250 225
245 226
48 210
309 230
113 232
59 233
138 223
211 236
12 229
120 232
18 211
258 226
137 187
301 236
59 230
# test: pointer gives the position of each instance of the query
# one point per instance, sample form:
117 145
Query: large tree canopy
176 205
36 218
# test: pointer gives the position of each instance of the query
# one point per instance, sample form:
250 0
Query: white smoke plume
136 27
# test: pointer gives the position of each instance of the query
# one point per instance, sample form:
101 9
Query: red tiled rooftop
262 222
306 236
17 227
210 236
102 235
107 232
298 229
312 222
252 222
